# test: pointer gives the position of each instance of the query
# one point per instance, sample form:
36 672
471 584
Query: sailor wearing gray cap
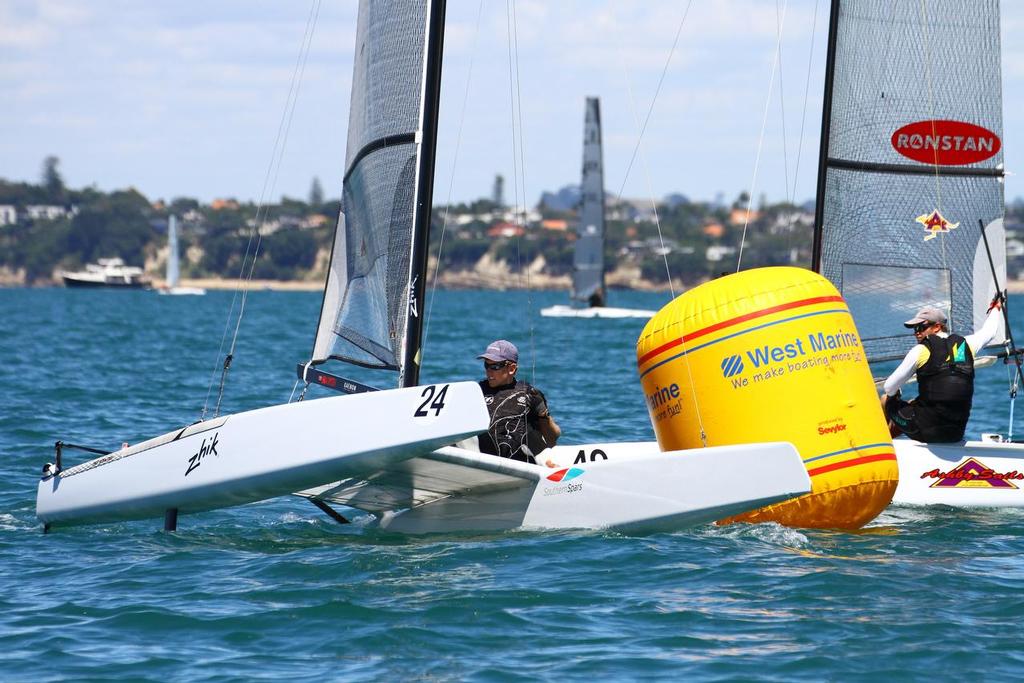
944 364
521 424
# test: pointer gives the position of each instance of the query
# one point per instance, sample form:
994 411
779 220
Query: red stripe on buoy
850 463
735 321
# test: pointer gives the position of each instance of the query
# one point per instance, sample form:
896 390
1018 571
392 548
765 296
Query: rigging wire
782 103
803 115
451 179
638 151
518 161
925 35
269 183
764 124
525 217
640 137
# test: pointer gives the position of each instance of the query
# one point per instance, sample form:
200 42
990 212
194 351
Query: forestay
911 160
372 287
588 257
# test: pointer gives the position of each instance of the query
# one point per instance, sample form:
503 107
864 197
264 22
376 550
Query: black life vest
947 377
514 409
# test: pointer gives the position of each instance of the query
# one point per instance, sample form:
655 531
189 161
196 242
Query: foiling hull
563 311
987 473
625 486
261 454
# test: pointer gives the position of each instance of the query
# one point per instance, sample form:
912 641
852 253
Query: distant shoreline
463 282
1012 286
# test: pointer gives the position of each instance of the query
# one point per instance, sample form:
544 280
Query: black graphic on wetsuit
514 410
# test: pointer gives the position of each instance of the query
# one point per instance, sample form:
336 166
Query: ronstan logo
945 143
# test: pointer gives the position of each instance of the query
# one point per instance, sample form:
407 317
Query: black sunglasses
921 327
495 366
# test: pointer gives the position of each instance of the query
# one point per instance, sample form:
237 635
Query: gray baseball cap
501 350
928 314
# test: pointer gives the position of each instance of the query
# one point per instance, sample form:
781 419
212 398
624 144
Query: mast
431 100
826 125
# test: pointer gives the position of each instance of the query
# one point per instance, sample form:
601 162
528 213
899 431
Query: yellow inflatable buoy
772 354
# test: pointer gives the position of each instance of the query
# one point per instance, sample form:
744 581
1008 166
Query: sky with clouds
187 98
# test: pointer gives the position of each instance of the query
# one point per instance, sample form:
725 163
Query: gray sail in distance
374 285
588 256
911 147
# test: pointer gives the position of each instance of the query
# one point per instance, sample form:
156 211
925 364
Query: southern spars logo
732 365
973 474
945 143
565 480
567 474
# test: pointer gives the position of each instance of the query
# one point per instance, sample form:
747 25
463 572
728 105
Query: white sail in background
173 268
911 161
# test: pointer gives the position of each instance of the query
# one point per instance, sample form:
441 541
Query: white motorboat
110 273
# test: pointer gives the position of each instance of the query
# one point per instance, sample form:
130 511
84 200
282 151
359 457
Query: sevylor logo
946 143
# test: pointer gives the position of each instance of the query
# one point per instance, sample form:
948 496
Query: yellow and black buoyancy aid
948 374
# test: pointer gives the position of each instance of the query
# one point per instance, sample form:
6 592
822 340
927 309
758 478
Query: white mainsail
911 161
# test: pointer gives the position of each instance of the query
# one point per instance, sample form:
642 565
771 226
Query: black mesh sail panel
588 257
913 162
367 295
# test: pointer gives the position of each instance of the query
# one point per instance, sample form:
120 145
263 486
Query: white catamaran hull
182 291
262 453
966 474
563 311
627 486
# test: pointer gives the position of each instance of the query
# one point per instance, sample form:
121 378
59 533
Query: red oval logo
945 143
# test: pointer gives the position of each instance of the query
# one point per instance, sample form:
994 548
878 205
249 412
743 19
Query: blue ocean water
275 590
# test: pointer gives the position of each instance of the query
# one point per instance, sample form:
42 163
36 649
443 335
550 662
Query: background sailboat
911 161
173 269
589 294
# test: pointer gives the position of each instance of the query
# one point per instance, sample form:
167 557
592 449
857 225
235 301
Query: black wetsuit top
515 409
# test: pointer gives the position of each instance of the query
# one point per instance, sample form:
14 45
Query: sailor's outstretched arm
988 331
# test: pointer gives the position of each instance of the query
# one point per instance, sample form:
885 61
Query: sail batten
911 160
